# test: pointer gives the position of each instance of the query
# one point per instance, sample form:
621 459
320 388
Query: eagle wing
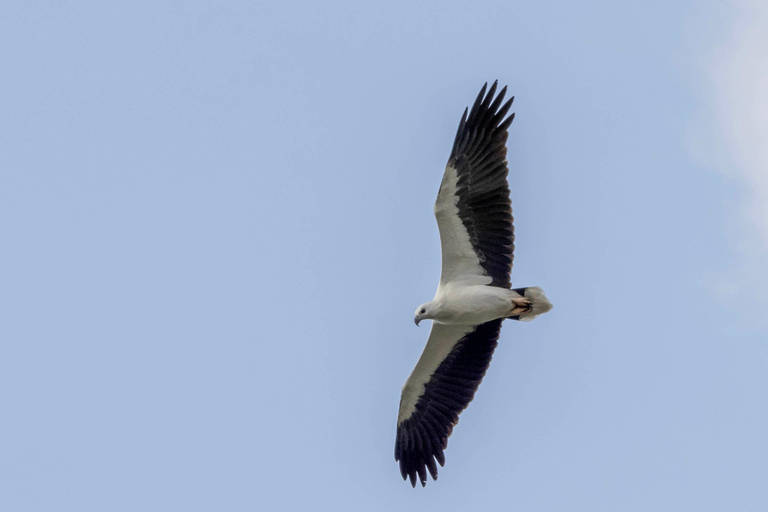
441 385
473 210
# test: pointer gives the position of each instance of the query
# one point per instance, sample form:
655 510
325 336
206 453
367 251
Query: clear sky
216 222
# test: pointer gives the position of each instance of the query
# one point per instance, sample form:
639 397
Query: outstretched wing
473 210
442 384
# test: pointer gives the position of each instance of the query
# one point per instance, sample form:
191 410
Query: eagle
474 296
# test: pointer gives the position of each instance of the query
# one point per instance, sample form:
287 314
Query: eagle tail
538 303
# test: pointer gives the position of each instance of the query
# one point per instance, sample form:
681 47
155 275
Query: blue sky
215 224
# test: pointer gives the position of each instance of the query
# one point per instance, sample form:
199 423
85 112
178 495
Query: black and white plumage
473 297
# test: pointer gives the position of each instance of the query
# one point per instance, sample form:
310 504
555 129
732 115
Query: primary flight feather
473 297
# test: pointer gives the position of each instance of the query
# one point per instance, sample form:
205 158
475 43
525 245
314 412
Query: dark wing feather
422 437
479 157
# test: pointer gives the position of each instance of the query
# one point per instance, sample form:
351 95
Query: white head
422 312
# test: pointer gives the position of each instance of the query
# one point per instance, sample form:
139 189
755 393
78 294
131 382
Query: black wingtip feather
489 96
495 105
507 122
500 113
478 101
422 471
459 131
432 467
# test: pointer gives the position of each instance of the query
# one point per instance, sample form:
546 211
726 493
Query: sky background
216 222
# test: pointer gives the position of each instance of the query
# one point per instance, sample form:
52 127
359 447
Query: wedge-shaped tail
539 303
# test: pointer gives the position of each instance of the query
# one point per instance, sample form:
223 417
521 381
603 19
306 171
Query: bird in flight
474 296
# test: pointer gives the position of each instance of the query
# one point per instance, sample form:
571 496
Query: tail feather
539 303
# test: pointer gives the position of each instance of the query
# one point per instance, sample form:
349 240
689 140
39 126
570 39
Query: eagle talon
523 306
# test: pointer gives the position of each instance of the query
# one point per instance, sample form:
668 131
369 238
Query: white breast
470 305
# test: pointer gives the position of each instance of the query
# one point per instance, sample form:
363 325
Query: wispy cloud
738 77
739 71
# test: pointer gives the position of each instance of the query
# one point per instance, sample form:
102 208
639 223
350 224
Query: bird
474 295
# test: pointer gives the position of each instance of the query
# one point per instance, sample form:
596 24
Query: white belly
472 305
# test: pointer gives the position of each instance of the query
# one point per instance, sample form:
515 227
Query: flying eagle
473 297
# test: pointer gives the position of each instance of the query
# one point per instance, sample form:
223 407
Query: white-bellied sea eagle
473 297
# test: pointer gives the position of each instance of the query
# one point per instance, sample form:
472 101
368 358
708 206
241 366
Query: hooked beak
416 320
